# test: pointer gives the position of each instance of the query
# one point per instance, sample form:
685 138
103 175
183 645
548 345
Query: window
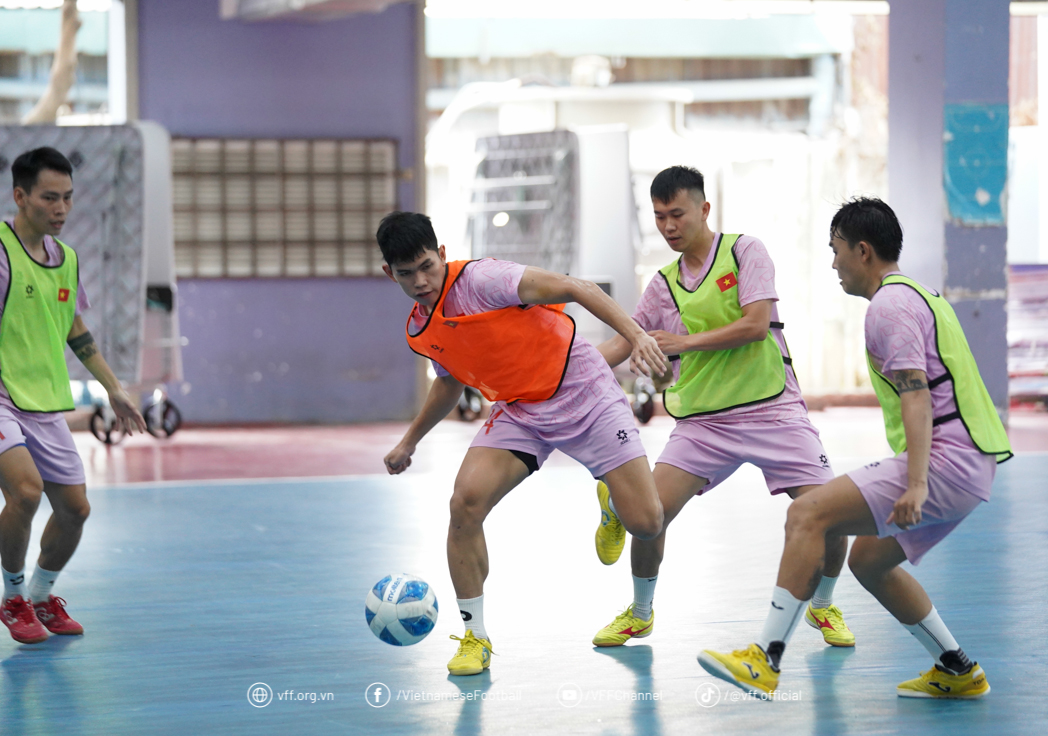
280 208
10 66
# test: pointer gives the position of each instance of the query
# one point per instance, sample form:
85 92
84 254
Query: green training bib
39 309
975 408
715 381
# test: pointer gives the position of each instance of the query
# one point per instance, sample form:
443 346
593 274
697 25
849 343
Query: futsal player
948 439
486 324
735 398
39 277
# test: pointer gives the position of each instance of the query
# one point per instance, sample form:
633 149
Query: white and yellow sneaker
935 683
748 668
611 534
473 655
626 626
830 622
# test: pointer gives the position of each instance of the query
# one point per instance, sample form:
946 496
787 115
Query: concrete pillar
947 162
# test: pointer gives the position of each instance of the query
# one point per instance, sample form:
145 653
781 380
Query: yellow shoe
473 656
938 684
626 626
830 621
611 535
748 668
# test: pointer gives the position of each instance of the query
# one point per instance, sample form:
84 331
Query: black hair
27 167
672 180
872 220
404 236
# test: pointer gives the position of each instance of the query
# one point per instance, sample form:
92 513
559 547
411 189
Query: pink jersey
657 311
900 335
54 256
487 285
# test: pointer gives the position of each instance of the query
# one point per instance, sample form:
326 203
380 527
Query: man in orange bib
500 327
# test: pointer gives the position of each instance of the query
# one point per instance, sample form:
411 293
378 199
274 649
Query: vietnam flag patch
726 281
63 295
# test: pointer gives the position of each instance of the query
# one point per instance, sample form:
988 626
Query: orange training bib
511 354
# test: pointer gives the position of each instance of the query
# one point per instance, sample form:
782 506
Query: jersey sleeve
82 302
756 271
894 333
492 284
652 304
439 369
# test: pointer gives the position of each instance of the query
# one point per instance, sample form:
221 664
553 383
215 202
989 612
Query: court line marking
841 461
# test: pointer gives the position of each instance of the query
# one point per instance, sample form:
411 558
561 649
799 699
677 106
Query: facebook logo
377 694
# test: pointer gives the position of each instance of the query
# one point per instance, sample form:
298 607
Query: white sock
611 505
643 595
785 613
823 597
14 584
472 611
41 584
937 639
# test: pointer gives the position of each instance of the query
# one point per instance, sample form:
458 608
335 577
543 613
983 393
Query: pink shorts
883 482
788 451
49 441
604 439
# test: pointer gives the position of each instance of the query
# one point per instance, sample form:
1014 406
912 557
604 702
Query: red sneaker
52 614
18 616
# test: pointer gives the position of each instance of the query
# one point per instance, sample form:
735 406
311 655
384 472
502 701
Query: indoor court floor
246 556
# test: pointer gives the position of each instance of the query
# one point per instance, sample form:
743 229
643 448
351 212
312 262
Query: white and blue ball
401 609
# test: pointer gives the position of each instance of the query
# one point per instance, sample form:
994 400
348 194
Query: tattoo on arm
910 381
83 346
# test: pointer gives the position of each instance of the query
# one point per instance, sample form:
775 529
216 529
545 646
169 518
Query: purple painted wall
323 350
341 340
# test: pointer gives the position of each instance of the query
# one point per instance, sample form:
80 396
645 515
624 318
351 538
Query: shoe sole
929 696
622 643
465 673
79 632
35 640
819 629
716 668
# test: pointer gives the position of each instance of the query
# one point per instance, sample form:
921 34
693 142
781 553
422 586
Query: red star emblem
63 295
726 281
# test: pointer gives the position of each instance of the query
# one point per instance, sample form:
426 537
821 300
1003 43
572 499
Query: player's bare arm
84 348
753 326
443 396
916 399
616 349
544 287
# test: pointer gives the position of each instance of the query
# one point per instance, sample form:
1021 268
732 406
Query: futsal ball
401 609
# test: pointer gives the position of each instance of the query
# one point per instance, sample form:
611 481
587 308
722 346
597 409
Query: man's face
849 265
47 205
422 278
681 219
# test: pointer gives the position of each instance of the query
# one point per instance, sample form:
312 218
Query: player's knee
864 563
76 514
25 495
802 518
648 526
467 507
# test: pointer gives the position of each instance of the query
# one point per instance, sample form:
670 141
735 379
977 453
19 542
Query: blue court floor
191 594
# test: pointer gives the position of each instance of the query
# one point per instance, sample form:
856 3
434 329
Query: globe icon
259 695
